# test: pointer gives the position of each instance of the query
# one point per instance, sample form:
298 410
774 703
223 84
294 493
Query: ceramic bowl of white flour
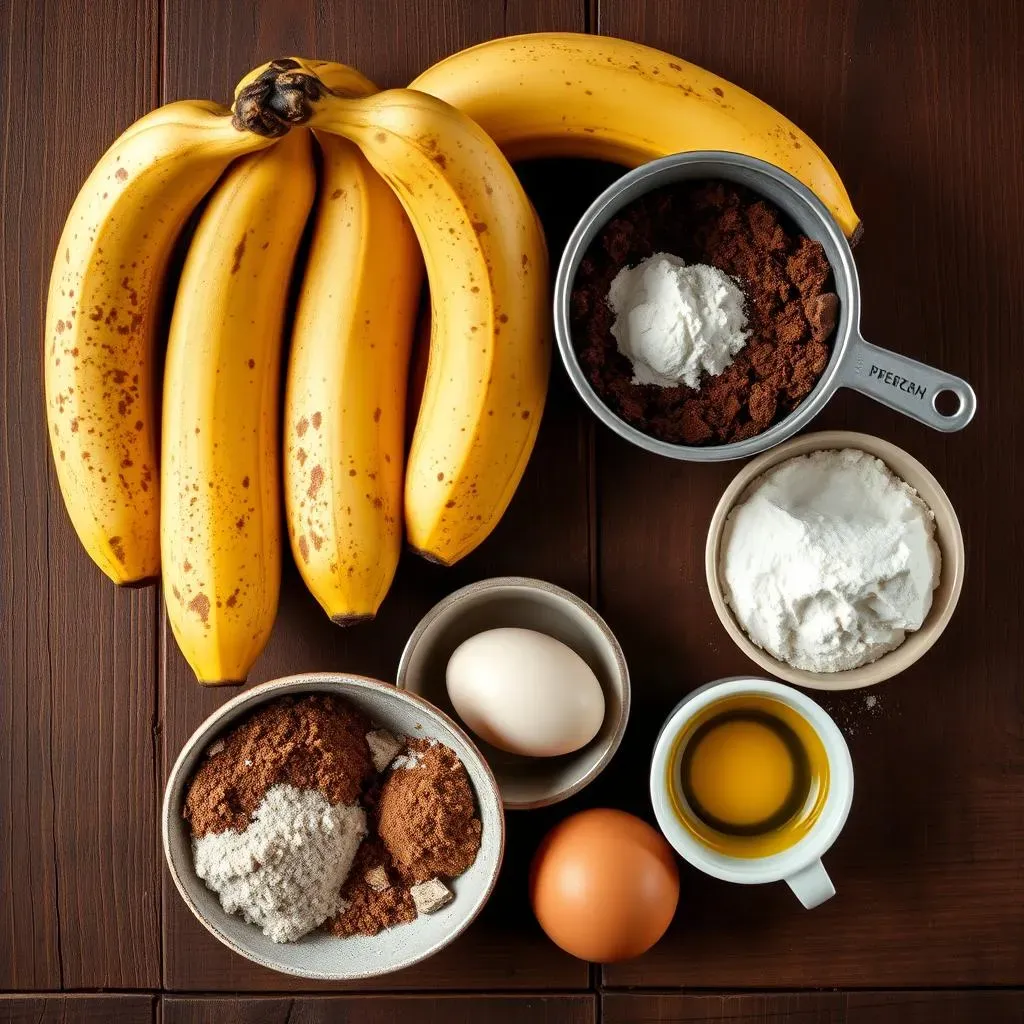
819 631
318 955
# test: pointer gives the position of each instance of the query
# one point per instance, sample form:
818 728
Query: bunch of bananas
408 177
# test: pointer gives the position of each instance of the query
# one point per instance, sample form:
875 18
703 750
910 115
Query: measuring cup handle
906 385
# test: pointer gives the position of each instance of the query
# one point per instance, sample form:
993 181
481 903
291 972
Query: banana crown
278 97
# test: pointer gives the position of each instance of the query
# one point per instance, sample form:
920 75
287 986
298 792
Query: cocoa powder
422 825
426 816
314 742
791 311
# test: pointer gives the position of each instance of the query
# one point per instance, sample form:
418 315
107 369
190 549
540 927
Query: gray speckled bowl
525 782
318 955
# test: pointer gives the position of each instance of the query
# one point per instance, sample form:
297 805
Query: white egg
525 692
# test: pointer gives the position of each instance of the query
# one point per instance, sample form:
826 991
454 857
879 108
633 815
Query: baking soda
675 321
829 560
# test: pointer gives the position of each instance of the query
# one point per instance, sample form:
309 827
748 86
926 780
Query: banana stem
283 96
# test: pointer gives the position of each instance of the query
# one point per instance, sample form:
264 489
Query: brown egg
604 885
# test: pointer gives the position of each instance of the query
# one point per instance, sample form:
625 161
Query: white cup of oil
752 782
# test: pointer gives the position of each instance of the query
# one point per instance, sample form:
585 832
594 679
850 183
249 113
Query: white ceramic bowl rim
916 644
780 865
302 683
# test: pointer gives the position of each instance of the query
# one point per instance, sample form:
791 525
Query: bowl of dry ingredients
835 561
707 306
332 827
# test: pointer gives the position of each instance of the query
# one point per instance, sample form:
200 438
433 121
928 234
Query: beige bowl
318 955
525 782
947 535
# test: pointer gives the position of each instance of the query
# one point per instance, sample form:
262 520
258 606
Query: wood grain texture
918 104
1005 1007
766 1008
77 1009
545 532
78 876
381 1010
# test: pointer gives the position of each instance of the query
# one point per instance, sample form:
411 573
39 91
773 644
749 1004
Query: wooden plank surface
545 533
430 1009
918 105
78 876
77 1009
1005 1007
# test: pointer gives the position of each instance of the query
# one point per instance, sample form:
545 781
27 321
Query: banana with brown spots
105 290
486 265
344 417
546 94
220 524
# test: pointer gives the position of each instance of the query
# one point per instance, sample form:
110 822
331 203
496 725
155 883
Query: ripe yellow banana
347 372
220 524
347 377
567 94
105 290
487 268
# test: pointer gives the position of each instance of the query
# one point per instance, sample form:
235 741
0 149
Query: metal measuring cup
894 380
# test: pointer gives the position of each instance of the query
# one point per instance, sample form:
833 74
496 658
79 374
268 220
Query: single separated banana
568 94
487 268
105 291
220 518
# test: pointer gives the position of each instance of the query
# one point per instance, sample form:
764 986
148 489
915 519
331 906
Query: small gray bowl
318 955
525 782
894 380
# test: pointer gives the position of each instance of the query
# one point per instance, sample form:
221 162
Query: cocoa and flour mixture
420 814
315 742
790 305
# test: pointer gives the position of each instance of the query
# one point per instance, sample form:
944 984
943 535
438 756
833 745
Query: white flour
285 870
830 560
675 322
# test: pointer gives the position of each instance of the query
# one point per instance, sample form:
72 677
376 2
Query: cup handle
906 385
812 886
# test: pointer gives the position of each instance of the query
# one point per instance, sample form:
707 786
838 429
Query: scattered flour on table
829 560
285 870
856 712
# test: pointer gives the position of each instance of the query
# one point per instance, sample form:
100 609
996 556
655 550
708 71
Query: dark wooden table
920 103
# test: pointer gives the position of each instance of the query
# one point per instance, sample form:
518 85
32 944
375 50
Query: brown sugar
314 742
790 306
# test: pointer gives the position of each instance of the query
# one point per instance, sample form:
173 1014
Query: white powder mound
285 870
830 560
675 322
